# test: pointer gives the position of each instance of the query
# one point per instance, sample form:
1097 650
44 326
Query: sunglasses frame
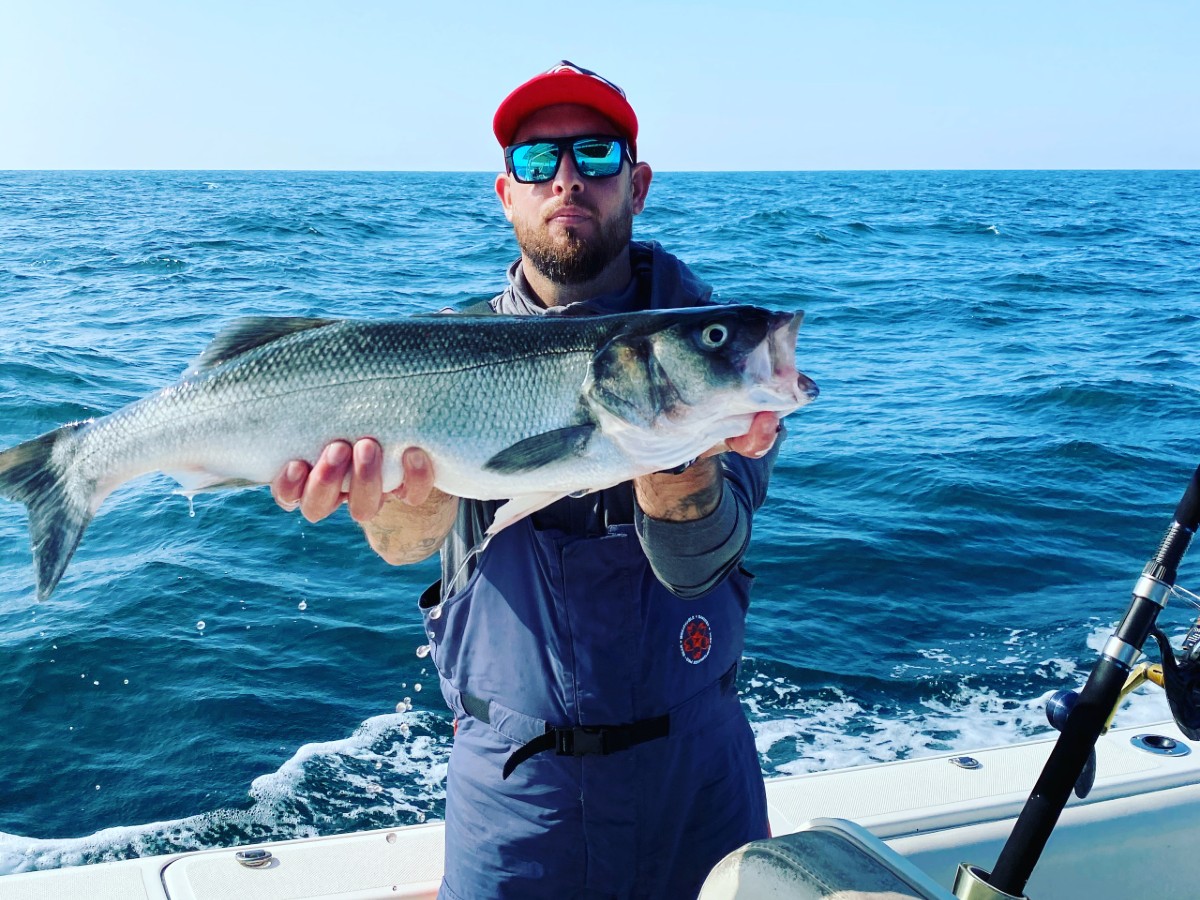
564 145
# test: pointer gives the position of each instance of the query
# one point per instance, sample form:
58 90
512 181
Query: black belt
576 740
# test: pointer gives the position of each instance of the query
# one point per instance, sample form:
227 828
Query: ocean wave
389 773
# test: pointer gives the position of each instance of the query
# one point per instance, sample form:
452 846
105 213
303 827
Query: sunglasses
536 162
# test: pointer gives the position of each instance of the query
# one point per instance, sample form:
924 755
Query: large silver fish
527 408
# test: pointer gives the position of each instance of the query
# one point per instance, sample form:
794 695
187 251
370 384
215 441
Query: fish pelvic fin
38 473
248 333
542 449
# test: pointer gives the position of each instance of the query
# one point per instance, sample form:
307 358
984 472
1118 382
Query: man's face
571 227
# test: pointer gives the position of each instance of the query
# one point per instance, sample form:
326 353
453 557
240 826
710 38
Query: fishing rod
1082 718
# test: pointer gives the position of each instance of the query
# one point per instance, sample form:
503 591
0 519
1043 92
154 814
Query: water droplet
407 702
391 839
420 817
191 506
127 681
423 651
374 789
378 765
401 707
96 683
416 687
436 612
97 787
404 729
303 605
200 625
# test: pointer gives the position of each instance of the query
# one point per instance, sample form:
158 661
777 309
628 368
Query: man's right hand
317 490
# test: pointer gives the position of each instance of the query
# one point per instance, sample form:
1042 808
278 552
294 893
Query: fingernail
366 452
295 471
415 461
337 454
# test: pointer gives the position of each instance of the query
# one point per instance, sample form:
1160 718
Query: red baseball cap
566 83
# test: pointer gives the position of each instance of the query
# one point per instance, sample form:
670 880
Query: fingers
317 490
757 442
418 477
366 480
288 486
323 489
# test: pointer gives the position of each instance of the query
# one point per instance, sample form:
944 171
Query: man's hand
756 442
695 492
317 490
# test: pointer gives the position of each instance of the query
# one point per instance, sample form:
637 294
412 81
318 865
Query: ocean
1009 412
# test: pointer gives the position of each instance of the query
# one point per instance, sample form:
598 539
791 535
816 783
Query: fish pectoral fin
519 507
247 333
542 450
200 482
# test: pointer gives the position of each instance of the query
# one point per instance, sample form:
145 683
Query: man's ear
640 185
503 191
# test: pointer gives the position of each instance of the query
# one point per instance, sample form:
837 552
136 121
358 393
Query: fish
527 409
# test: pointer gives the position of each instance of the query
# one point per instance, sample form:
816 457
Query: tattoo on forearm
689 496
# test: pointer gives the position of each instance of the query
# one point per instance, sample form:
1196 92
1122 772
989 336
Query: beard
573 259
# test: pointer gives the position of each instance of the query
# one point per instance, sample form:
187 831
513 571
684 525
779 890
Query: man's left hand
756 442
695 492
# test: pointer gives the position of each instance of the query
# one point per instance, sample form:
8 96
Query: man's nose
567 179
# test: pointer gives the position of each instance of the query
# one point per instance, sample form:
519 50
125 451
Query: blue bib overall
649 774
569 630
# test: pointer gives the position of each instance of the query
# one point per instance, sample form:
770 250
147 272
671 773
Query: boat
1113 812
923 817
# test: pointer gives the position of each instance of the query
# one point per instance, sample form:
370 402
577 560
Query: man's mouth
569 215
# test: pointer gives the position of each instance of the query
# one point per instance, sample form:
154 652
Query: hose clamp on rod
1121 652
1150 588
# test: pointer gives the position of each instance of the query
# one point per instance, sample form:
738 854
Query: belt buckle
579 741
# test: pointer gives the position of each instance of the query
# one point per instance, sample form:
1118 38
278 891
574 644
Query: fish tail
39 474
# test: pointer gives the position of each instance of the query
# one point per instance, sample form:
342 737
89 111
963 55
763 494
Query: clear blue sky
837 84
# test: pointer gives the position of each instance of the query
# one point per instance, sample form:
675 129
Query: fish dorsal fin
249 332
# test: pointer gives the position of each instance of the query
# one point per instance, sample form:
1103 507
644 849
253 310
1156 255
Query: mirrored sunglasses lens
535 162
597 159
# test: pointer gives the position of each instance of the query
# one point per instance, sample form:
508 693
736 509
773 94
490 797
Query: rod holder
970 883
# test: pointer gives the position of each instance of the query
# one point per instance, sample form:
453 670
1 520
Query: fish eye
714 336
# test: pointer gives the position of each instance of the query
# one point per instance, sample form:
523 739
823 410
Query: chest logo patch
695 640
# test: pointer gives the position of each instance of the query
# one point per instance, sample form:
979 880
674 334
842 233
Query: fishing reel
1178 676
1181 679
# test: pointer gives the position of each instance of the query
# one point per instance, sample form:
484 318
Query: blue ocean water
1010 409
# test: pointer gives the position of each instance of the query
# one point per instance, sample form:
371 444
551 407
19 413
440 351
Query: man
590 652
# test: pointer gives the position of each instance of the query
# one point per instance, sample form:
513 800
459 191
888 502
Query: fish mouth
784 377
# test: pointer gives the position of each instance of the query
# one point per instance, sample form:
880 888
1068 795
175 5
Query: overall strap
641 260
584 740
